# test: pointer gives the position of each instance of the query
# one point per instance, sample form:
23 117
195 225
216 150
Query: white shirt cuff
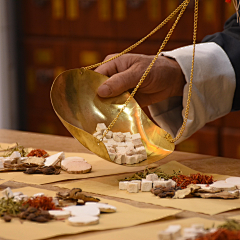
214 83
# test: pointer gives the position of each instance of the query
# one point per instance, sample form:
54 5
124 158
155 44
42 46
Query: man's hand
164 80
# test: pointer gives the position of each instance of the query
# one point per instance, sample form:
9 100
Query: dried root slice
54 159
59 214
223 186
83 210
103 207
234 180
83 220
76 165
34 160
223 194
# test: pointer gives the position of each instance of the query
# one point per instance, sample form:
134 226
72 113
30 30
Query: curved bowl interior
76 103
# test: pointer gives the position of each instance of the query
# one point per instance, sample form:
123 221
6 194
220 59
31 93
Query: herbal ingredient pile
227 231
177 185
73 206
38 161
123 148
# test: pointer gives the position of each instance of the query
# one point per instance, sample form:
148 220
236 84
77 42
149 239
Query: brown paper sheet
125 216
109 186
100 167
146 231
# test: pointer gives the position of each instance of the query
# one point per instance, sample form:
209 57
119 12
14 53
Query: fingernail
104 91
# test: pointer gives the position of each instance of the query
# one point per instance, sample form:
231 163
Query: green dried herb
142 174
231 225
10 207
7 152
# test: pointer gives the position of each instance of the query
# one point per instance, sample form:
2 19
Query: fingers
118 84
109 68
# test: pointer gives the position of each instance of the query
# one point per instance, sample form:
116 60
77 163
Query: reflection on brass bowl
76 103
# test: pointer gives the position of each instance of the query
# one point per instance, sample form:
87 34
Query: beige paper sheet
125 216
236 217
146 231
100 167
109 186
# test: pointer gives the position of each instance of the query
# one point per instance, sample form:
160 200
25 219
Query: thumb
117 84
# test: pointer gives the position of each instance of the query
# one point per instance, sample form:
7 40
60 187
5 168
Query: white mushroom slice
59 214
234 180
82 220
76 165
103 207
223 185
7 192
17 194
54 159
83 210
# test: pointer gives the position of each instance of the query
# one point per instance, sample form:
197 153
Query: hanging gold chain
182 7
191 76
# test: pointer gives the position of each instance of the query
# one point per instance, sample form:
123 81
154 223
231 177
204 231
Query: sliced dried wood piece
34 160
103 207
76 165
83 220
223 194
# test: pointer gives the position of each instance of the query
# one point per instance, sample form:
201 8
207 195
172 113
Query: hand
164 80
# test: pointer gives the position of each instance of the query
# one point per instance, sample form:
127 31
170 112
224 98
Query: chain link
182 7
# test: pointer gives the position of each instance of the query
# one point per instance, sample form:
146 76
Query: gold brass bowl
76 103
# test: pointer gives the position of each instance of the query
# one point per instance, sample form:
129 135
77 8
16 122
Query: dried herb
38 153
164 192
221 234
76 194
50 170
9 207
8 152
231 225
184 181
161 174
36 215
41 202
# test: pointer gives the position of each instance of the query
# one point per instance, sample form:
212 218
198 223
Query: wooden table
203 163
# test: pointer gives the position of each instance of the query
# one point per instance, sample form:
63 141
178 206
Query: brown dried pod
7 218
73 193
32 209
23 215
41 219
31 217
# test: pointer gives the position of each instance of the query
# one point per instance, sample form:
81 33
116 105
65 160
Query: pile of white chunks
173 232
123 148
145 185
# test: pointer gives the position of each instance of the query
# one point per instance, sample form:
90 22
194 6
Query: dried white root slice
83 210
54 159
103 207
34 160
234 180
76 165
223 185
82 220
59 214
38 194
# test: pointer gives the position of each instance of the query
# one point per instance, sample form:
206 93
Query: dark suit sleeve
229 40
